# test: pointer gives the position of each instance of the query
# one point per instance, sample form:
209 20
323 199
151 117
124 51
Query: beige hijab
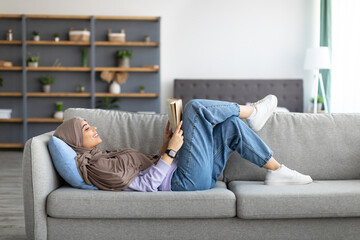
107 170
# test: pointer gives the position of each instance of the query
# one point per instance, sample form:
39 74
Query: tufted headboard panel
289 92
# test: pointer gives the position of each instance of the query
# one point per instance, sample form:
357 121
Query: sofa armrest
39 179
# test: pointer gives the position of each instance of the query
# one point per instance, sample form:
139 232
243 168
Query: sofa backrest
324 146
120 129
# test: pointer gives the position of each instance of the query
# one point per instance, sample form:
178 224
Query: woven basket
116 37
79 35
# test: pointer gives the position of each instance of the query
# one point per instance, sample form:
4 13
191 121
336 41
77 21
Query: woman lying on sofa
191 158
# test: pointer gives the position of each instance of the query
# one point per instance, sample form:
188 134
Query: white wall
230 39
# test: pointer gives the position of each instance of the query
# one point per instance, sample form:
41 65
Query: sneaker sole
286 183
267 118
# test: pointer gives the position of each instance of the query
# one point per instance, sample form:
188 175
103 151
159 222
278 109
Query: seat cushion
337 198
67 202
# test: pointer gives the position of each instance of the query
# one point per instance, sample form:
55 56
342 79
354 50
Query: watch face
172 153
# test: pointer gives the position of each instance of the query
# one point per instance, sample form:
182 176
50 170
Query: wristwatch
171 153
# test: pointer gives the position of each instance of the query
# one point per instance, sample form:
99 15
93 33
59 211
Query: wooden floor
12 225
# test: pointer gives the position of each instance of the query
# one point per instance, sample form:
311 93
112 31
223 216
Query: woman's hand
166 138
177 139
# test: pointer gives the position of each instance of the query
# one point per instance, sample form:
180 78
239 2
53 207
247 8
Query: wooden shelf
30 120
134 95
127 18
70 69
10 68
10 15
11 120
132 44
14 42
11 94
44 120
11 145
58 43
132 69
84 17
40 94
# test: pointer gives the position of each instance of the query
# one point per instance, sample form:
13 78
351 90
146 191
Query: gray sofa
240 206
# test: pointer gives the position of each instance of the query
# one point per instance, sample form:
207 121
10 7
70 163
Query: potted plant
46 81
147 38
107 104
142 88
84 57
320 101
56 37
59 112
124 58
36 36
80 89
33 60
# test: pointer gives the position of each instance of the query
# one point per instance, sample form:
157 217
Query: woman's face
90 137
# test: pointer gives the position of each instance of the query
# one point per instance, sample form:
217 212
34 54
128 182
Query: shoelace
256 103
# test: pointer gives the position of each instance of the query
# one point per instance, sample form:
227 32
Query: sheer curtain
345 90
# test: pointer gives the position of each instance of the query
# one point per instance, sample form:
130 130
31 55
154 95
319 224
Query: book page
174 111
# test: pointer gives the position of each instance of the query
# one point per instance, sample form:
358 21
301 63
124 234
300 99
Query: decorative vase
37 38
57 39
59 114
124 62
114 87
147 39
46 88
319 106
142 91
33 64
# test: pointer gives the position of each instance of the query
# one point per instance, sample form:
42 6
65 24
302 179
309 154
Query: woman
191 158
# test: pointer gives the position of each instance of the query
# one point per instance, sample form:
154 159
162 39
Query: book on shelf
174 110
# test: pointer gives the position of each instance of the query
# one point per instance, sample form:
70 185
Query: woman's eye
86 129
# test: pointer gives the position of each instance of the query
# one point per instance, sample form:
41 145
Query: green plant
142 87
47 80
107 104
320 99
56 34
1 82
84 57
32 58
59 106
35 33
124 54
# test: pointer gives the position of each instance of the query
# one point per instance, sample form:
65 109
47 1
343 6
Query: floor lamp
316 59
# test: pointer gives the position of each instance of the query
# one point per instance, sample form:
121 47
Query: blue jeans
212 131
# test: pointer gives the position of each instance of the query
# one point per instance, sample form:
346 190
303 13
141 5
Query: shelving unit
21 91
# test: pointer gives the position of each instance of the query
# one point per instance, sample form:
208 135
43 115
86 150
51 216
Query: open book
174 110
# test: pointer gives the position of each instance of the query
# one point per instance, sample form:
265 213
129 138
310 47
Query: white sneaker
264 109
285 176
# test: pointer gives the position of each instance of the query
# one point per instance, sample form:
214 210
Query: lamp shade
317 58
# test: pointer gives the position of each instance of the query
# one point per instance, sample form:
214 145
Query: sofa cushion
324 146
63 157
67 202
337 198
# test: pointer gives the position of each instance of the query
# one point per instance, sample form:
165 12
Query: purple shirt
154 178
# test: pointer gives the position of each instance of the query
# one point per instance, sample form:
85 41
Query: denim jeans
212 131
